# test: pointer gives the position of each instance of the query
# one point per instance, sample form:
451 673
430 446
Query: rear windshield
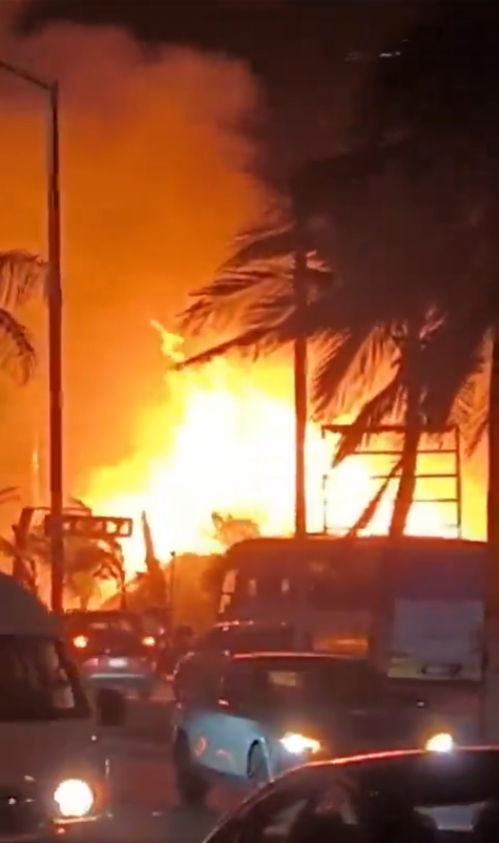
310 682
37 682
102 623
322 681
248 640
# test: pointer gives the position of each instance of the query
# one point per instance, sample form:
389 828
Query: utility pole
54 292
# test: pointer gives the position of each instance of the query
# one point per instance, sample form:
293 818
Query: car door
195 710
236 725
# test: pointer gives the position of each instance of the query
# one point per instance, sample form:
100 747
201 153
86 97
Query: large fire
219 444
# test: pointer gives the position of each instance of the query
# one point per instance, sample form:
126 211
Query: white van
53 770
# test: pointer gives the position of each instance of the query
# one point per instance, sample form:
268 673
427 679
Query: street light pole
55 358
54 294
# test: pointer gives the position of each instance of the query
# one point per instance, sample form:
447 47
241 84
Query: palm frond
17 353
385 403
452 358
262 245
228 295
22 275
251 342
80 506
348 368
7 548
9 493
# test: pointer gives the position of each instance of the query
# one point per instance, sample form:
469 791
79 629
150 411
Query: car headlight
442 742
297 744
74 799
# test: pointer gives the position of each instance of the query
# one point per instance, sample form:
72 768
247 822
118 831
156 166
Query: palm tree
274 257
22 275
438 91
352 322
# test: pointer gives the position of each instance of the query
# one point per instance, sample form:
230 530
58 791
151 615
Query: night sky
305 54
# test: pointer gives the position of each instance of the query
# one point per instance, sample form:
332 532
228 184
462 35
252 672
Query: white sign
437 639
117 662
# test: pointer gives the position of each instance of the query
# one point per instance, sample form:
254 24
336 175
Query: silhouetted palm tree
22 275
438 94
358 315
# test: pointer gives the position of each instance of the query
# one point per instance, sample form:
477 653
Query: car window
314 681
37 682
338 801
94 623
273 820
240 683
303 817
197 680
249 639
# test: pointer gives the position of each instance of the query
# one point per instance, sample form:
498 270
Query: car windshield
322 681
37 682
457 793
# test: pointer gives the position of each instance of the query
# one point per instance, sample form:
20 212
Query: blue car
248 718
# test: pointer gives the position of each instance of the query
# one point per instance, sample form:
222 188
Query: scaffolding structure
381 453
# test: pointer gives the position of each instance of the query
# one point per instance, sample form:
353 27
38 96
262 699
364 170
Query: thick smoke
154 185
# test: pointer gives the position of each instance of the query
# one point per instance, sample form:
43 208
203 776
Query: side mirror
111 707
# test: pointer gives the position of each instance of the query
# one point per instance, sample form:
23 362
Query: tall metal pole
55 358
300 390
51 90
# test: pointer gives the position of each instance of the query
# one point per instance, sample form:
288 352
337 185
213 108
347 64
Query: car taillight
80 642
149 641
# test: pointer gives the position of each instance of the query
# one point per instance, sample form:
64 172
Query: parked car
399 797
251 717
54 767
111 649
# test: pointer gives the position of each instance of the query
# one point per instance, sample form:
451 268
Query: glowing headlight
74 798
443 742
296 744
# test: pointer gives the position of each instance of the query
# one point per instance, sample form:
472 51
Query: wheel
258 770
191 788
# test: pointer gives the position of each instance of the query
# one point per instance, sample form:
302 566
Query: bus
333 590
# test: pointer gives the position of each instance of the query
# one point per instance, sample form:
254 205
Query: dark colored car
400 797
233 637
112 649
247 637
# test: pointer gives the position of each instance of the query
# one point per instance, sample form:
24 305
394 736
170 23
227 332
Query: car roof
464 774
98 613
245 625
293 655
472 762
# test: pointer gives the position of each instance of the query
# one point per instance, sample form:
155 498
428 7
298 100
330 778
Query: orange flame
217 443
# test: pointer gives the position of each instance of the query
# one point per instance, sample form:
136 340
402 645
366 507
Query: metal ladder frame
392 454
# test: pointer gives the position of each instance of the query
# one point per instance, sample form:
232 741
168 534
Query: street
145 804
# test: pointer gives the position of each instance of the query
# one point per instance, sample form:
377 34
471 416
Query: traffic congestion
102 742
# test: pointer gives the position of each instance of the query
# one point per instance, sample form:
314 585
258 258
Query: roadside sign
92 526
